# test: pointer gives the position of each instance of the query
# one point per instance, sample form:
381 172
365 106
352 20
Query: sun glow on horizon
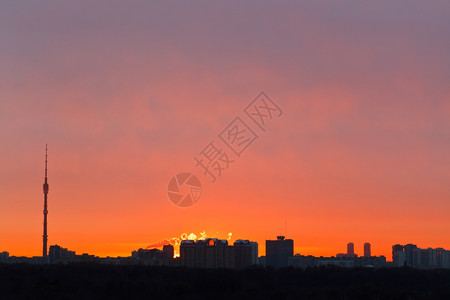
176 241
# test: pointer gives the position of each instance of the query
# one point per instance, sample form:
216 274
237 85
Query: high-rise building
278 252
168 251
245 253
412 256
443 258
216 253
4 256
350 250
367 252
58 253
409 254
188 254
398 258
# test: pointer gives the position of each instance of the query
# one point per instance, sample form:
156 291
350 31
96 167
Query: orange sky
127 94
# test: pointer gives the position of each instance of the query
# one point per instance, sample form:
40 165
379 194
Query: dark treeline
93 281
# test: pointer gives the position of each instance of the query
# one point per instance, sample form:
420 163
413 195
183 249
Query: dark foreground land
92 281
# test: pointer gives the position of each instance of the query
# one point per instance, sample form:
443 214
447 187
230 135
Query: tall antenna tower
44 237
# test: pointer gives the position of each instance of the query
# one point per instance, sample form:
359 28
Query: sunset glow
127 94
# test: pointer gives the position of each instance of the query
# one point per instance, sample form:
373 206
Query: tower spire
44 237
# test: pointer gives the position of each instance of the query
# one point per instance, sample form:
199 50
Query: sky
126 94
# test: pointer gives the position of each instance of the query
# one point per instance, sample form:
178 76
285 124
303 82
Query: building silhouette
59 254
4 257
245 253
278 252
398 256
409 252
350 250
367 251
213 253
411 256
303 262
402 256
154 257
345 260
168 251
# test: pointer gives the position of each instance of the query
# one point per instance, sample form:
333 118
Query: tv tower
44 251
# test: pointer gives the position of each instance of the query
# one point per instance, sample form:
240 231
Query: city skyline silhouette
224 149
127 95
